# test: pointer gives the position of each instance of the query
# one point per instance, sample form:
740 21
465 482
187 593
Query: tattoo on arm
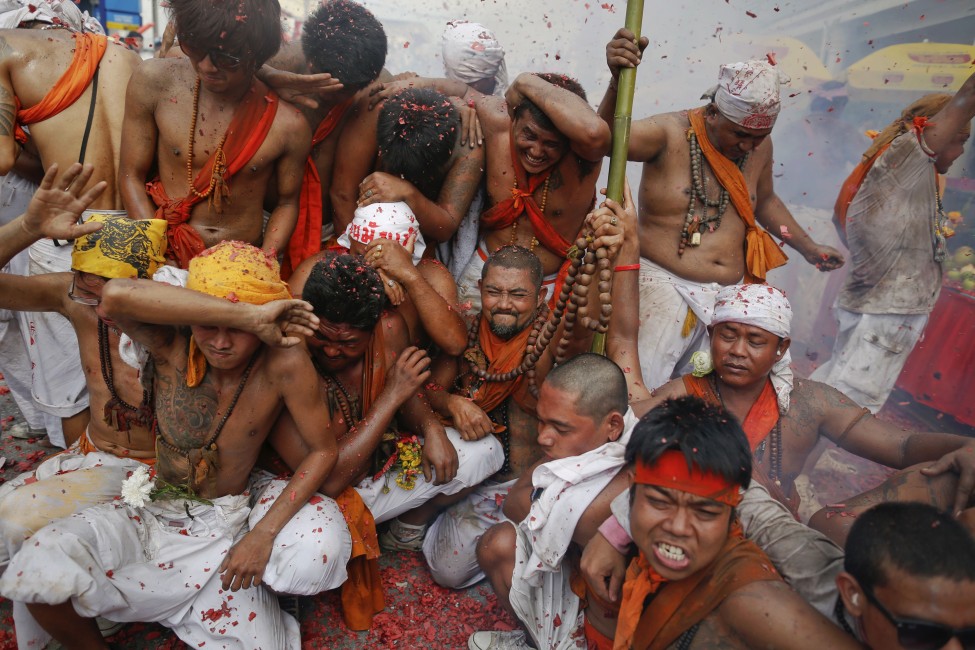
7 112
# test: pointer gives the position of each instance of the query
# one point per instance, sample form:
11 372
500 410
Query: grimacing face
509 300
538 148
680 533
337 346
225 348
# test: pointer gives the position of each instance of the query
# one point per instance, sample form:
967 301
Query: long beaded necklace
348 406
694 223
773 440
219 158
541 207
119 414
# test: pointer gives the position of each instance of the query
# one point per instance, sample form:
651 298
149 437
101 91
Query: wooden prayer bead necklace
347 406
690 234
573 303
773 441
119 414
541 207
219 158
937 227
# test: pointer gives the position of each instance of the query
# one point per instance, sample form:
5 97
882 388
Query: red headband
670 471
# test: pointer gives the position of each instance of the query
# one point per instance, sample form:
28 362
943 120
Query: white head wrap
472 53
394 221
65 12
748 93
764 306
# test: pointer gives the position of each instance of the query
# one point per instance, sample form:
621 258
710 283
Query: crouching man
178 542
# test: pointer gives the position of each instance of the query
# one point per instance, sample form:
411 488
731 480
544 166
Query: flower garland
406 458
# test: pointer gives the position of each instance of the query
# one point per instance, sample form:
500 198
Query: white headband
764 306
394 221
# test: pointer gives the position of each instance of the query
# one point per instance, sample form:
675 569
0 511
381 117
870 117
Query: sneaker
514 640
108 628
402 537
22 432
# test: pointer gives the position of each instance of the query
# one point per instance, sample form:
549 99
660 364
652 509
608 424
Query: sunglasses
218 58
91 301
923 635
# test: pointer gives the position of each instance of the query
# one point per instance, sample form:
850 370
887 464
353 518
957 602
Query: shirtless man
342 39
219 387
689 250
118 440
32 64
410 149
369 375
214 175
688 463
544 138
513 299
422 290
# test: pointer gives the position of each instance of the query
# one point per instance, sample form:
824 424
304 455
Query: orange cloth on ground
362 592
762 254
88 53
759 422
248 128
307 237
238 272
502 356
678 606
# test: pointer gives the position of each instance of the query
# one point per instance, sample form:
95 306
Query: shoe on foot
22 432
514 640
402 537
108 628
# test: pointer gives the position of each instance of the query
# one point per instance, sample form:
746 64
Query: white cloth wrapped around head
748 93
394 221
471 53
65 12
764 306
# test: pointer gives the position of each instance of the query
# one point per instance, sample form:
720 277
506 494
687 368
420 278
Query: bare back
665 189
32 62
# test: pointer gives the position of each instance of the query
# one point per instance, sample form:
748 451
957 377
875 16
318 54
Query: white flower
701 362
136 489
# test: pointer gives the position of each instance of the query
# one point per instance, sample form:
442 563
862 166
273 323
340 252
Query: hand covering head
471 53
394 221
237 272
764 306
748 93
123 248
62 12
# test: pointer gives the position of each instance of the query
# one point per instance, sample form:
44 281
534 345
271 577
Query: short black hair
543 120
597 382
346 40
511 256
708 436
916 538
249 29
416 131
344 289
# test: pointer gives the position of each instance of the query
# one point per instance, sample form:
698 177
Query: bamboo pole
621 131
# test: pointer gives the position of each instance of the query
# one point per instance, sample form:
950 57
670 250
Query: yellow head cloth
123 248
238 272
